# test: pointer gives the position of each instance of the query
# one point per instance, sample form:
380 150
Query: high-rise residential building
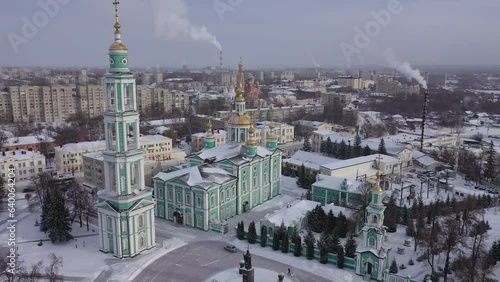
5 108
90 100
126 207
42 103
154 95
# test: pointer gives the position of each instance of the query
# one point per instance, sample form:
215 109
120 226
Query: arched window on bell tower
374 219
112 98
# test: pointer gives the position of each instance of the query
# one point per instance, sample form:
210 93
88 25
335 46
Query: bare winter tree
40 185
449 241
34 273
52 271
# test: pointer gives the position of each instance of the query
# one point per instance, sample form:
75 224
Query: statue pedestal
248 275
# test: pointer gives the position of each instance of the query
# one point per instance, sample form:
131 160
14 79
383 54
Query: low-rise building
312 162
26 164
29 143
306 127
361 168
156 147
69 157
339 191
198 139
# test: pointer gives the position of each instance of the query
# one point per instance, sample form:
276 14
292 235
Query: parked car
230 248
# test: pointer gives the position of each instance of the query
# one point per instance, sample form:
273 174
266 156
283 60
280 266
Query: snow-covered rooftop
309 160
153 138
26 140
228 151
165 121
91 145
360 160
217 133
203 175
19 155
336 182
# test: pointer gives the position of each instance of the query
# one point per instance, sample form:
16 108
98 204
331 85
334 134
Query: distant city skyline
293 33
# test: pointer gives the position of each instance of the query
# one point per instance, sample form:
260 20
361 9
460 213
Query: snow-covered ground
261 275
78 261
327 271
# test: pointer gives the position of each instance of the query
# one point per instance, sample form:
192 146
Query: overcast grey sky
267 33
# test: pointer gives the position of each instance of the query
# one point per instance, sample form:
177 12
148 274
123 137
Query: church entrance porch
179 218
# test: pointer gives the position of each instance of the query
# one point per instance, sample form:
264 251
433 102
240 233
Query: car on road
230 248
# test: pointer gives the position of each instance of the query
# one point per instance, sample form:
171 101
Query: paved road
199 261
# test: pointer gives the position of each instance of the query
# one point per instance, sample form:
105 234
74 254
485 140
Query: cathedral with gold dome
222 181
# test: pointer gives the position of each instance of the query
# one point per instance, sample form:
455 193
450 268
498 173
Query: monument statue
248 260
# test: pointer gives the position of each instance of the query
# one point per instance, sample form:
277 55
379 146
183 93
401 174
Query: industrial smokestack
424 117
221 63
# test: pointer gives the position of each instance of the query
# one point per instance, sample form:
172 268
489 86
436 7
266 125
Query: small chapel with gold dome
221 182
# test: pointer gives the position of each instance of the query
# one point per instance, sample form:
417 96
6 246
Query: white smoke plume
172 22
404 67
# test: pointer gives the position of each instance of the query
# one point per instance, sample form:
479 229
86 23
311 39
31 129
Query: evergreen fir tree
350 246
414 210
367 151
240 231
309 240
285 243
263 236
357 150
349 150
394 266
342 153
390 215
58 221
406 217
297 249
302 177
340 258
276 241
322 147
252 233
342 225
335 149
307 145
46 204
381 147
490 167
328 146
333 242
330 222
323 245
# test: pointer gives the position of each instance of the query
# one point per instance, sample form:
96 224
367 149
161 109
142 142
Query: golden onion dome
240 99
272 126
240 120
272 137
251 130
377 189
251 142
209 125
118 46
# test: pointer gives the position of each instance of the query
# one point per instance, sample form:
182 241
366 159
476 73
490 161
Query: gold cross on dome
116 3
